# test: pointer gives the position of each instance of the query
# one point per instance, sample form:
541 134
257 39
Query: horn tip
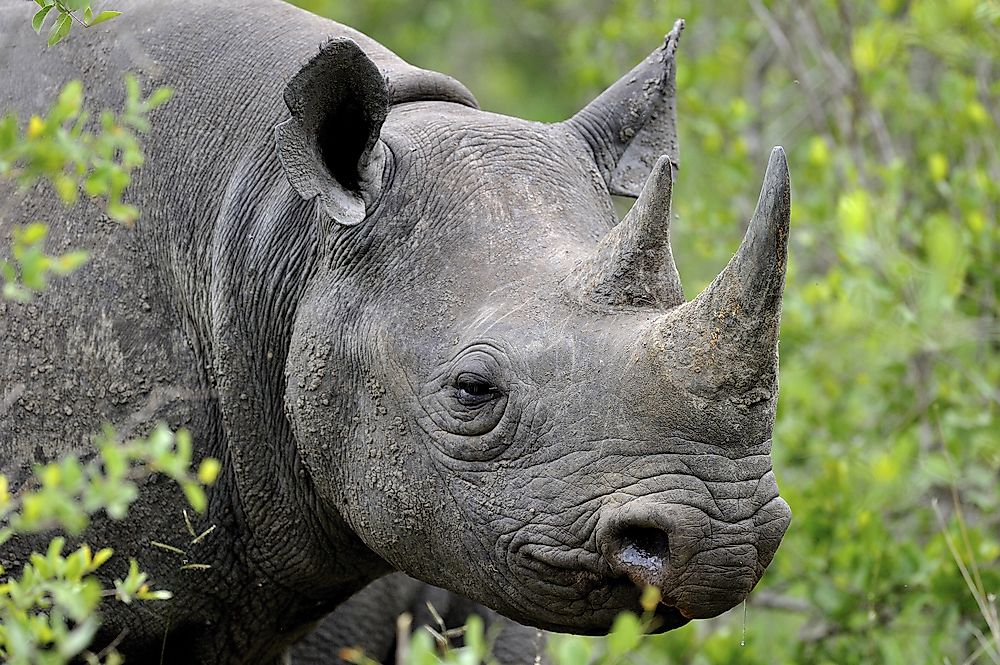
777 163
777 181
660 183
664 167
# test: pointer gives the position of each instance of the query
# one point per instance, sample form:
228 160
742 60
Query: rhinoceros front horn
634 265
754 279
733 324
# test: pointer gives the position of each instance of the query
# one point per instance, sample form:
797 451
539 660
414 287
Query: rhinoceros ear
330 147
632 123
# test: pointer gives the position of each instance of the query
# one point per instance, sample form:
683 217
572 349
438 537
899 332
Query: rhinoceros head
498 386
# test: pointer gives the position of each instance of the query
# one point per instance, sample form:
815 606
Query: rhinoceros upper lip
593 577
570 561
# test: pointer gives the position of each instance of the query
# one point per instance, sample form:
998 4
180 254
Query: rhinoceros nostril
644 547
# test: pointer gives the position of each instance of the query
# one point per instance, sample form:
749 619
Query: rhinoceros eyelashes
473 390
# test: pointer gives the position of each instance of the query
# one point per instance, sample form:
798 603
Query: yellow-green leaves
876 46
30 266
47 615
208 471
66 493
90 19
61 149
39 18
67 12
73 153
946 253
52 607
135 587
625 635
937 166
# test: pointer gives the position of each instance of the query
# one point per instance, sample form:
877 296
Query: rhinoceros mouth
581 572
586 578
666 618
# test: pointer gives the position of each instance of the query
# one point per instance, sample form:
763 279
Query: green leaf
104 16
132 90
39 18
625 635
67 263
8 132
66 188
195 496
60 29
475 638
69 101
32 233
78 639
208 470
122 213
101 557
571 650
16 293
158 97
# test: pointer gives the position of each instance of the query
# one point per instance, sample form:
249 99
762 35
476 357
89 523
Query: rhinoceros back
125 340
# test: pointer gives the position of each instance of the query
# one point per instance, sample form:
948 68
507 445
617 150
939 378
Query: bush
50 613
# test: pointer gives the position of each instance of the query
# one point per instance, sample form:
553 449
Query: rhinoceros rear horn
633 265
330 147
632 123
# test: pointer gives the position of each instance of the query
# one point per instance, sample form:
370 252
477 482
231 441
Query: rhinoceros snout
702 566
644 540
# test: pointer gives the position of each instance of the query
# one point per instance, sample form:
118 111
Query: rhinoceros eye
472 390
467 399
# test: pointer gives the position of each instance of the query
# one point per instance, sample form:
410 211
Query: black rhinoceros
369 621
414 332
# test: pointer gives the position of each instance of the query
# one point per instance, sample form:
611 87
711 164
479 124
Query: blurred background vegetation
888 442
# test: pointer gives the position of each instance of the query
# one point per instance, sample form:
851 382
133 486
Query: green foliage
31 266
70 491
50 614
63 150
889 112
65 12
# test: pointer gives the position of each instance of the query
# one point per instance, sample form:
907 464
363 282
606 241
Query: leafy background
888 442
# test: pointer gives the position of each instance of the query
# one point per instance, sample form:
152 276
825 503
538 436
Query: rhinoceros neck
230 284
240 247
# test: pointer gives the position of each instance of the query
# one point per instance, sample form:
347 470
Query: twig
775 601
784 45
403 624
113 645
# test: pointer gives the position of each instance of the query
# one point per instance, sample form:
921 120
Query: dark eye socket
473 390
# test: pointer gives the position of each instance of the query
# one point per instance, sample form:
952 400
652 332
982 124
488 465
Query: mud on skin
413 331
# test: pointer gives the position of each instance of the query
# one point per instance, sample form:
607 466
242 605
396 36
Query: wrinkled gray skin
367 620
411 330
